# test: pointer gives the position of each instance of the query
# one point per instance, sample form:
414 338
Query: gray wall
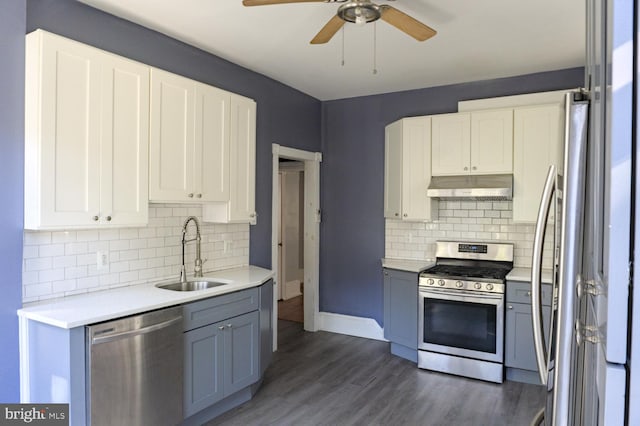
12 25
285 116
352 230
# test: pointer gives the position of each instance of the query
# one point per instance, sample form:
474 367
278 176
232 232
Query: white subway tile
76 248
75 272
37 238
38 264
63 286
87 235
50 250
51 275
36 290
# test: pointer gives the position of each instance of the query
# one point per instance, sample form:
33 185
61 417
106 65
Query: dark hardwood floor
331 379
291 309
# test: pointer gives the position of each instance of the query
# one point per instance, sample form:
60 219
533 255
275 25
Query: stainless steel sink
191 285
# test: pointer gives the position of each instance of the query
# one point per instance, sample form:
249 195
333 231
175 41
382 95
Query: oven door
456 322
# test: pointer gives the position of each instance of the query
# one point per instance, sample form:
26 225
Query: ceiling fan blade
406 23
268 2
328 30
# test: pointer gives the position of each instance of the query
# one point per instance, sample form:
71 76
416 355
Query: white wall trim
311 232
350 325
25 394
541 98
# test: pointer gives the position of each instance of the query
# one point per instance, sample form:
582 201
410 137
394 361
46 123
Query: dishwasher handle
136 332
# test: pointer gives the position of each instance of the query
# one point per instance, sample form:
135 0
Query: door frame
311 162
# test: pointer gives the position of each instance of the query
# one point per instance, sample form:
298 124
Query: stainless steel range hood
480 187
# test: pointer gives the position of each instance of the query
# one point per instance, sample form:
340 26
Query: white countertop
524 274
89 308
409 265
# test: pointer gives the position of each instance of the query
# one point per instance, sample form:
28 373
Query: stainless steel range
461 310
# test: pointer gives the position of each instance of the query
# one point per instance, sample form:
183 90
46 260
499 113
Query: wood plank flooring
331 379
291 309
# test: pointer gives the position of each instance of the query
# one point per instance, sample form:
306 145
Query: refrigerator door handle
550 187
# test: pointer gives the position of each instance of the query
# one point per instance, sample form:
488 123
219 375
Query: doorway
307 169
291 241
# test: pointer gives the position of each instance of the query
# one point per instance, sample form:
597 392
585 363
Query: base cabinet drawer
220 359
218 308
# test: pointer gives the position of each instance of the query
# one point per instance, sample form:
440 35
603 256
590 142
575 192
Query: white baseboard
353 326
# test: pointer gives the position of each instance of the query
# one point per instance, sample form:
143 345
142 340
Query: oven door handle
460 295
550 187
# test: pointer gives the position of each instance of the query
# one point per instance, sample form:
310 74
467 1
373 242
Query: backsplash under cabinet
63 263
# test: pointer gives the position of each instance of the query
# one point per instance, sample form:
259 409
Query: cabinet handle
199 195
510 307
396 214
405 215
190 195
252 215
221 327
108 218
95 218
229 325
474 168
528 294
466 168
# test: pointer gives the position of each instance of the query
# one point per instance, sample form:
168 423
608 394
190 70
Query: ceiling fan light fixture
359 12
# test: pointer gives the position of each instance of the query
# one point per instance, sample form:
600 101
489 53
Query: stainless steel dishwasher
134 370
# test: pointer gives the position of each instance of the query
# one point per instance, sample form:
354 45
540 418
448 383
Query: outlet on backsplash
102 260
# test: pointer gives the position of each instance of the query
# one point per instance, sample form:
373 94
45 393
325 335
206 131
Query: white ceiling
476 40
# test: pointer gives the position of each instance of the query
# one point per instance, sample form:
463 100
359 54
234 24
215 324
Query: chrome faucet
197 270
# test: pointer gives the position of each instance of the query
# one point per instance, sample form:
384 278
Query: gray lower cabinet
519 353
223 357
401 312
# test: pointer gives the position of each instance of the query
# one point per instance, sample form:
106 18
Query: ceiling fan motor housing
359 12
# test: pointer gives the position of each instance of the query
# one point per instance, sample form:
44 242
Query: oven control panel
444 283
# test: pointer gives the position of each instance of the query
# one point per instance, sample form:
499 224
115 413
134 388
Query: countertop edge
522 274
72 311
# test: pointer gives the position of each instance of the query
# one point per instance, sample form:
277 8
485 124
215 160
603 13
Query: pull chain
375 68
343 45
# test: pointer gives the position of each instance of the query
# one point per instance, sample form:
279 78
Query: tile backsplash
486 221
63 263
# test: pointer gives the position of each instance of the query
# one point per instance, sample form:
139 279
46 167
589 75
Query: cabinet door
171 139
242 352
203 367
124 180
62 118
242 162
519 348
416 169
450 138
211 167
393 171
537 145
492 142
401 307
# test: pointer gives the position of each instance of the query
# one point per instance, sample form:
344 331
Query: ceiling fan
359 12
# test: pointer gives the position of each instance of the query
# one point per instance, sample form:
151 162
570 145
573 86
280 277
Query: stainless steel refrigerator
588 366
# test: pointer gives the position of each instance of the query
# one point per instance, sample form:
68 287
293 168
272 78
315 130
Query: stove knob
459 284
430 281
489 286
477 286
441 283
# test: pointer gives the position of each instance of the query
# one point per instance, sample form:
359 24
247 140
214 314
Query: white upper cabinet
189 140
450 144
86 136
407 170
242 162
492 142
538 143
473 143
